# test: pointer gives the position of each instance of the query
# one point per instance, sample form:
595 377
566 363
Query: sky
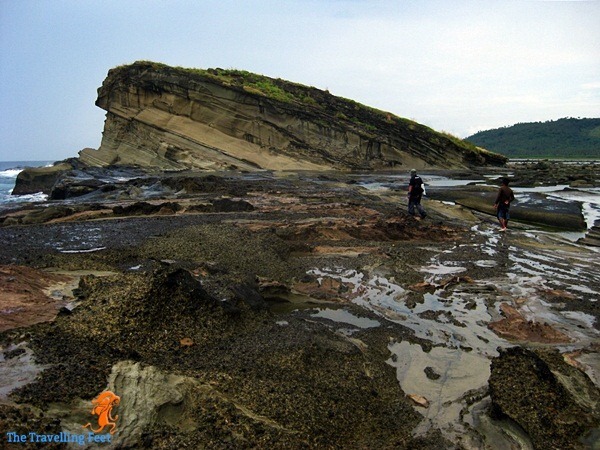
457 66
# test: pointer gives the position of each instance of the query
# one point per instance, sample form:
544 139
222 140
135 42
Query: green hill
562 138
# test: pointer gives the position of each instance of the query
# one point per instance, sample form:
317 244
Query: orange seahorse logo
103 405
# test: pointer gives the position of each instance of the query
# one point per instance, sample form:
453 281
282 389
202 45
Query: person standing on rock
503 199
415 192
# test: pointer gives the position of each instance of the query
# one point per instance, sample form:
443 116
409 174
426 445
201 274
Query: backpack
417 186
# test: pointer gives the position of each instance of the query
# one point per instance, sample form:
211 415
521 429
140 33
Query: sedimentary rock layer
173 118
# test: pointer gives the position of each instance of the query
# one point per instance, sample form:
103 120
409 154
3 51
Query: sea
8 176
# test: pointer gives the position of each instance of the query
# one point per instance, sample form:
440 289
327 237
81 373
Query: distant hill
562 138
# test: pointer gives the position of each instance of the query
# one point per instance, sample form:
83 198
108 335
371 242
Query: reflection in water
455 319
343 316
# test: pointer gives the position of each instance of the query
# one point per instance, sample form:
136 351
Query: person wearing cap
502 204
415 192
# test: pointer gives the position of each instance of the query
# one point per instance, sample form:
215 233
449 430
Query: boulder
46 214
556 404
39 179
66 187
228 205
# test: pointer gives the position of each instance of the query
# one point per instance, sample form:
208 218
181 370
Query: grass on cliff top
248 81
277 89
295 93
466 144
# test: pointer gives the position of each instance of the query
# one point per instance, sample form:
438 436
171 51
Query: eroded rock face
174 118
541 209
555 403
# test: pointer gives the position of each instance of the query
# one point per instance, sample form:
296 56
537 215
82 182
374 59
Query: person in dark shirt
415 192
502 204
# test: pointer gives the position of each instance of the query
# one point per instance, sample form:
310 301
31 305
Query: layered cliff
175 118
169 118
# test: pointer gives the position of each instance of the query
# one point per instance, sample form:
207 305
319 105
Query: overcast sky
456 66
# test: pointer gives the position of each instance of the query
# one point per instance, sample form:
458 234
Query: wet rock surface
29 296
40 179
302 311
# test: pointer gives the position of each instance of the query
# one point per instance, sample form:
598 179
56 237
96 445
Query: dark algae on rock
556 404
311 384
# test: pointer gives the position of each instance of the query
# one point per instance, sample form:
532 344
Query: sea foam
10 173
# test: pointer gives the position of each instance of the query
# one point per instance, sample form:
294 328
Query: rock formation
556 404
174 118
169 118
39 179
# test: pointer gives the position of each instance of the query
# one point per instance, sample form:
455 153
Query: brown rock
323 288
515 327
570 359
186 342
419 400
559 294
25 296
424 286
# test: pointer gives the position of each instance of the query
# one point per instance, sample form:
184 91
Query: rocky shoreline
298 310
